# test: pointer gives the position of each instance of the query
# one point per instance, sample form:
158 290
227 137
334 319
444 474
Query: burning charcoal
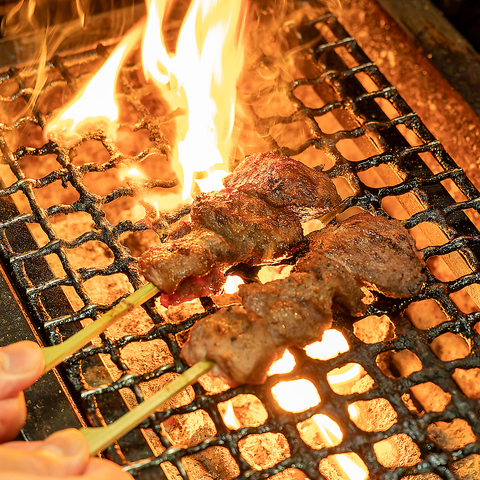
285 183
379 252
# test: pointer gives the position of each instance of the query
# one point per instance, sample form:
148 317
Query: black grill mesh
424 363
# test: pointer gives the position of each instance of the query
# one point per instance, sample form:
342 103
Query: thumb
63 454
21 364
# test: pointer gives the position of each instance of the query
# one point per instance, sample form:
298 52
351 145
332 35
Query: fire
300 395
350 463
283 365
296 396
333 343
232 283
96 101
198 78
349 373
229 418
202 75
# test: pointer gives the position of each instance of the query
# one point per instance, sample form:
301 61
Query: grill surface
405 173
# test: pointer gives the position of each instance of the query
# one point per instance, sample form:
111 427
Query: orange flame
202 76
232 283
296 396
350 463
229 418
333 343
282 365
94 101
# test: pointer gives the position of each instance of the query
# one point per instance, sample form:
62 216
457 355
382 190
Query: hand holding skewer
20 366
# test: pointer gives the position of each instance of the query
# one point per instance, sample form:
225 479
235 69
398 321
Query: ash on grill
410 411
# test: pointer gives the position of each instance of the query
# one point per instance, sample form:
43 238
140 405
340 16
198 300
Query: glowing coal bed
398 394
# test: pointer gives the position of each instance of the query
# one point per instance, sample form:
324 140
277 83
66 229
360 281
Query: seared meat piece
194 255
299 308
256 231
285 183
379 253
238 342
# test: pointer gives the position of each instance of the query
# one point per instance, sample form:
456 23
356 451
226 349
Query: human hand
21 364
62 455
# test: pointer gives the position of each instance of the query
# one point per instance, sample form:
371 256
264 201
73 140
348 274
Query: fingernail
20 357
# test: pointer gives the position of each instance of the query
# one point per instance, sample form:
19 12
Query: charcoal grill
420 373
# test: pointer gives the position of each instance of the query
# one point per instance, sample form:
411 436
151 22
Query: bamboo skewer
58 353
99 438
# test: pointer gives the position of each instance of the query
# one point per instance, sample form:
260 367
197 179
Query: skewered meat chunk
257 231
193 255
239 343
285 183
299 308
242 223
292 311
379 252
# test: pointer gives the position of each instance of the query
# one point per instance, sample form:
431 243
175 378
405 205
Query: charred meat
285 183
292 311
299 308
379 252
239 342
361 251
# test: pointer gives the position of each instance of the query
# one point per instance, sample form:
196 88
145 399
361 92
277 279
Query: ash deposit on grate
390 393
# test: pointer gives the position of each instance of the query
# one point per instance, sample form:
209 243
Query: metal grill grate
340 112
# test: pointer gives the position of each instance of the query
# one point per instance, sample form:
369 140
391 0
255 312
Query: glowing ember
296 396
201 74
333 343
230 419
96 100
283 365
232 283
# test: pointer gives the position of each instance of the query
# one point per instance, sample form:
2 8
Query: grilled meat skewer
298 309
256 219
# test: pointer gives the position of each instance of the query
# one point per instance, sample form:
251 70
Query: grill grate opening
73 223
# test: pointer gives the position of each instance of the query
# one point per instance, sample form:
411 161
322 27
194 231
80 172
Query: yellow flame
232 283
296 396
213 182
229 418
333 343
202 76
353 411
283 365
350 463
133 172
347 373
96 100
329 430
